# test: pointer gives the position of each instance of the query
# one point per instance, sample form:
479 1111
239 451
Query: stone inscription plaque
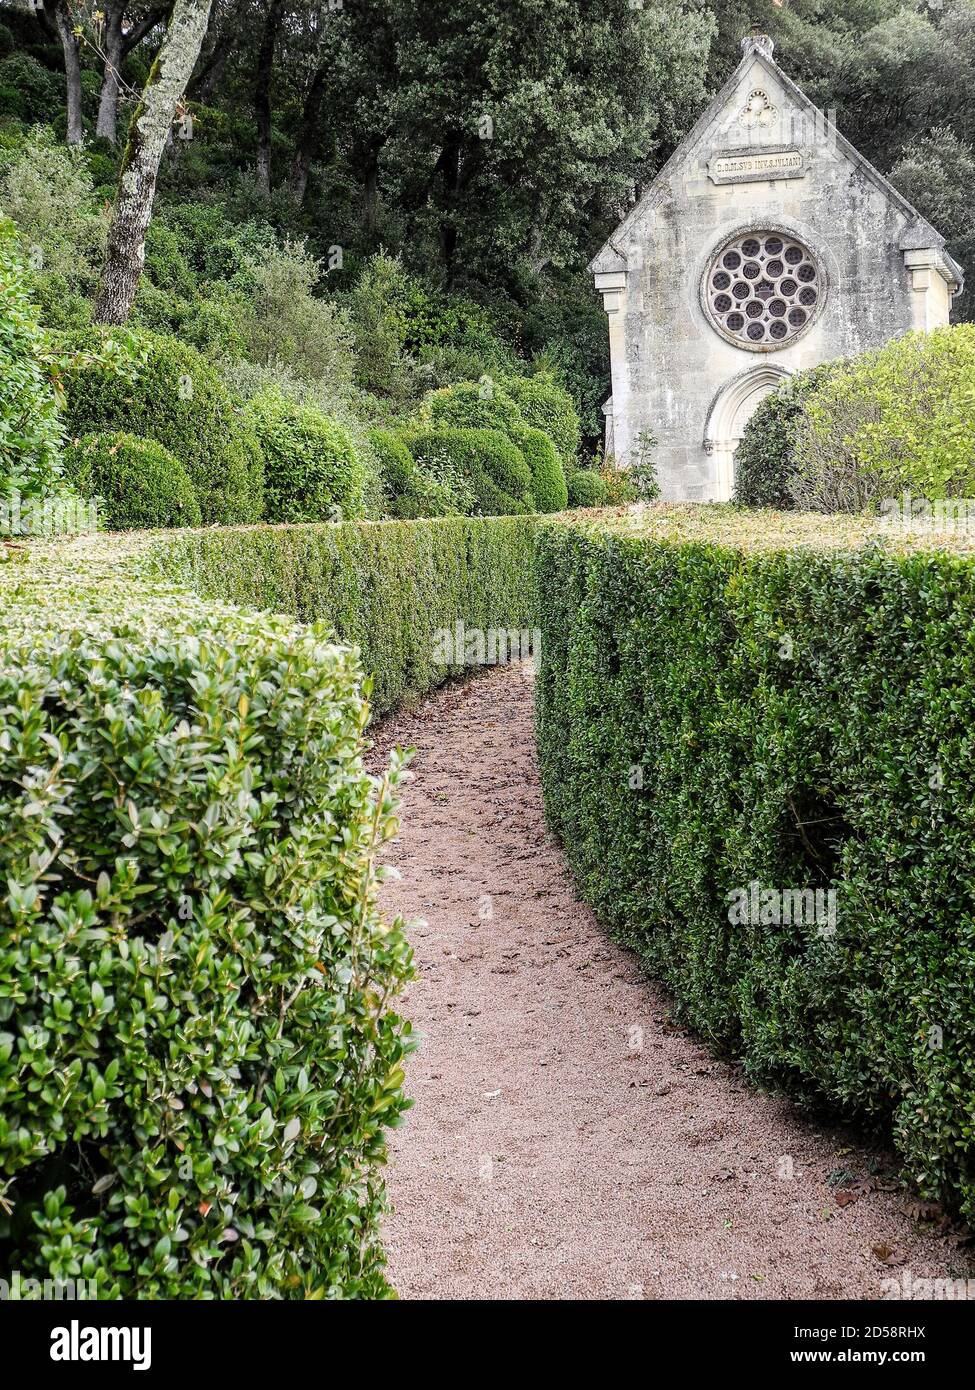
754 166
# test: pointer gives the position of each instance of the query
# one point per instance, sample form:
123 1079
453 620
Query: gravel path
568 1141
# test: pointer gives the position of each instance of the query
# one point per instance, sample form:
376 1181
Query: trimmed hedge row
720 727
196 1061
387 587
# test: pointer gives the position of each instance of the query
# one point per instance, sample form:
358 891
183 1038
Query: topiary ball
311 469
167 391
138 483
586 489
547 406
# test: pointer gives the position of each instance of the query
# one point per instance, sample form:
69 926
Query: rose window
763 289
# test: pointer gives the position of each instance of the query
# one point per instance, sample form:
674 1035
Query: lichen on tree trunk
148 133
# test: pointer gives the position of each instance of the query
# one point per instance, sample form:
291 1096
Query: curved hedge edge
193 947
714 724
392 589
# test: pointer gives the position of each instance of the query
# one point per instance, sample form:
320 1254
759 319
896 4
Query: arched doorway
730 412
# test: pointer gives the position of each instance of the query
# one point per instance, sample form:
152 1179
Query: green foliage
548 486
521 408
196 1062
565 336
176 398
29 90
166 262
410 490
494 469
378 319
389 588
765 458
216 244
897 418
311 471
472 405
936 171
47 192
451 337
547 406
394 458
792 718
209 325
580 110
30 434
586 489
282 322
137 482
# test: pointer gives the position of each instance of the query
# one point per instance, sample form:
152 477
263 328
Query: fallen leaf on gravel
925 1211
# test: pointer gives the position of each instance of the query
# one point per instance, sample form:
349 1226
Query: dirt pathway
567 1141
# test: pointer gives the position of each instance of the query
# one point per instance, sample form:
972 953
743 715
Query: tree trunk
262 95
72 67
308 137
209 72
449 163
105 126
150 128
370 196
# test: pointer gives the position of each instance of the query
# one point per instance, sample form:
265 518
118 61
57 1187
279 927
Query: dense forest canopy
418 185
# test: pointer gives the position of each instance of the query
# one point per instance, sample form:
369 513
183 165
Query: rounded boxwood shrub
547 406
510 405
137 482
765 458
411 491
197 1067
494 468
311 470
170 393
549 487
586 489
897 418
471 405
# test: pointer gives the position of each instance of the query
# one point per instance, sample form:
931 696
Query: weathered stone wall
669 363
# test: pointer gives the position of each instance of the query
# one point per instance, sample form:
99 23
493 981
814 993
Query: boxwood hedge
494 469
721 725
311 469
170 393
197 1064
388 587
137 482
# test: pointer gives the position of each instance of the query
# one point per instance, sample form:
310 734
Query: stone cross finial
757 42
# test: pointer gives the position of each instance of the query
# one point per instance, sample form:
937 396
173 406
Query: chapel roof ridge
757 45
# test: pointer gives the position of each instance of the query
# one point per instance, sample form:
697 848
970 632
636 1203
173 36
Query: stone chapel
765 245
